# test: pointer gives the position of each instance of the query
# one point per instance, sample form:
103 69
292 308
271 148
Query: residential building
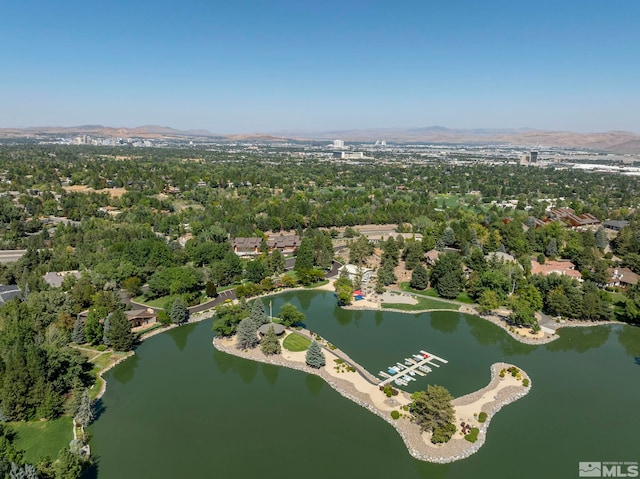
55 278
7 293
615 225
622 278
356 273
563 267
246 246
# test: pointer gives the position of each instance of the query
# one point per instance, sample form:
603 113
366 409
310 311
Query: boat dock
418 364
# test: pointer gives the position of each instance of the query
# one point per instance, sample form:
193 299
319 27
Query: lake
180 409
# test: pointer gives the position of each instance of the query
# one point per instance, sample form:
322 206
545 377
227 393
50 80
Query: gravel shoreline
457 448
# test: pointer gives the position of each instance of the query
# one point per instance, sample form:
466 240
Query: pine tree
106 328
78 336
304 258
419 278
84 415
68 465
27 471
247 334
258 314
270 344
601 238
315 357
120 335
179 312
449 285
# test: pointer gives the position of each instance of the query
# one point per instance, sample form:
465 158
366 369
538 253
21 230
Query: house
432 256
615 225
55 278
286 244
246 246
7 293
356 272
141 317
622 277
559 267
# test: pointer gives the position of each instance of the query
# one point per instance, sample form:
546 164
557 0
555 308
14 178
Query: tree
211 289
304 257
419 278
488 301
601 240
359 250
448 236
179 312
433 412
78 336
120 335
106 331
26 471
84 414
255 271
258 314
552 248
386 274
290 315
92 327
132 285
315 357
270 344
246 334
68 465
449 285
276 262
522 314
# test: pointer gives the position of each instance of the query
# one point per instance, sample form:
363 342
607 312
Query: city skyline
254 66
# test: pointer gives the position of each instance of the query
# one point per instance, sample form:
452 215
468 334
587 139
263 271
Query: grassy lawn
296 342
423 303
318 284
462 297
43 438
155 303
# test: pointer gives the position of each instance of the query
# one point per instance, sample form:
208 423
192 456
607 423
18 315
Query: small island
457 429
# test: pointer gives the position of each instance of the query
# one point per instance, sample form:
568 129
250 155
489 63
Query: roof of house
55 278
616 224
284 241
7 293
277 328
353 269
559 267
623 275
246 244
147 313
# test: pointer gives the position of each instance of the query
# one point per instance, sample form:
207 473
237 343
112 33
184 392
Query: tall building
530 157
338 143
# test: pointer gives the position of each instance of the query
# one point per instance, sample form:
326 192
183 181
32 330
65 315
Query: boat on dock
401 366
384 375
425 368
418 372
409 362
419 364
401 382
408 378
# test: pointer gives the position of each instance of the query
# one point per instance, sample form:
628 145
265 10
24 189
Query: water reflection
314 384
445 323
580 339
379 317
180 335
223 361
246 369
629 339
488 334
343 316
125 373
270 372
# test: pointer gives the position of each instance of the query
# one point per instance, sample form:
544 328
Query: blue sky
264 66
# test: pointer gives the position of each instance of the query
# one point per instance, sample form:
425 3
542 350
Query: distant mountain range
611 141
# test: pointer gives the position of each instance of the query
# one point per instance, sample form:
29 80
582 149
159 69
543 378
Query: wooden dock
418 365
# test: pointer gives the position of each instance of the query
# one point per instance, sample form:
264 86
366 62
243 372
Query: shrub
395 415
443 434
525 382
473 435
482 417
502 373
101 347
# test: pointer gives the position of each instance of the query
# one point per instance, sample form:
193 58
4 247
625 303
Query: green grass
423 303
296 342
462 297
473 435
155 303
318 284
43 438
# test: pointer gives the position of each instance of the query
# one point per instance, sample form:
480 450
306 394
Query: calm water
180 409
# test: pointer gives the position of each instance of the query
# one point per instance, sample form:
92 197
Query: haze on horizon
301 65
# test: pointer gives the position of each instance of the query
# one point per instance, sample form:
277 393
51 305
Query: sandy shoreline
359 389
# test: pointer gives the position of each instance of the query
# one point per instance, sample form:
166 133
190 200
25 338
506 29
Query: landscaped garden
42 438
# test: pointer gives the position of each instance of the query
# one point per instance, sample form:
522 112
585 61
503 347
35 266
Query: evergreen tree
419 278
304 258
315 357
68 465
27 471
84 415
386 274
448 236
432 411
78 336
552 248
601 238
211 289
247 334
276 262
120 335
179 312
270 344
106 328
258 314
449 285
